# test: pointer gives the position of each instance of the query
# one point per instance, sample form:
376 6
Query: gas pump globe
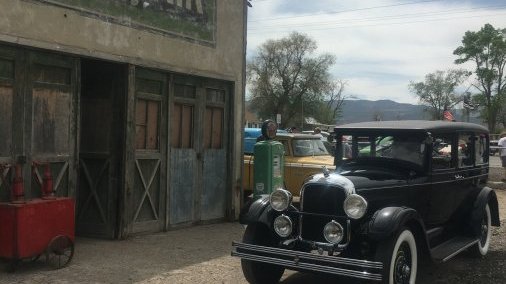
269 161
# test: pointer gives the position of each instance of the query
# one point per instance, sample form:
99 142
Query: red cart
43 226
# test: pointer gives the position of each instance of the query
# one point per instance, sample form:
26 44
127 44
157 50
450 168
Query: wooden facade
38 97
142 145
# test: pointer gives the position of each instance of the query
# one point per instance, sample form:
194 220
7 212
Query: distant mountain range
365 110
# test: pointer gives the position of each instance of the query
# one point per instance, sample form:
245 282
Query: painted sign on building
192 19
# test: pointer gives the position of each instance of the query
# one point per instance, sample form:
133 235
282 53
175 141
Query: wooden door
148 193
214 148
51 127
198 150
184 171
9 99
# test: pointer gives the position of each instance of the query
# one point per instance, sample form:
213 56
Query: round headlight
333 232
355 206
283 226
280 199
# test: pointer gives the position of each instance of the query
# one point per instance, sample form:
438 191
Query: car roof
252 132
420 125
298 135
323 133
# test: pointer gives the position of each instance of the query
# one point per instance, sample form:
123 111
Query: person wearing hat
502 143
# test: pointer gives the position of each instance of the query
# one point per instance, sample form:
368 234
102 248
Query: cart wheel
59 252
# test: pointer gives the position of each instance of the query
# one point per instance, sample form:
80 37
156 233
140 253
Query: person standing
502 143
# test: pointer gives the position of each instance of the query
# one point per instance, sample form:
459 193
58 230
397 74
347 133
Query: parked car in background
494 147
326 139
250 138
305 155
382 143
378 213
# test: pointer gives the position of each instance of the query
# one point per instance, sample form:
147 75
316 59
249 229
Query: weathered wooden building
137 106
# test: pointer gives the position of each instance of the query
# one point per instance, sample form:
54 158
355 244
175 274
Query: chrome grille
319 205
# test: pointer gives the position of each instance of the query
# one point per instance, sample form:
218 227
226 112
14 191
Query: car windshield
308 147
397 147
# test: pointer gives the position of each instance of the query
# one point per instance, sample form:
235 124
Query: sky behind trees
380 45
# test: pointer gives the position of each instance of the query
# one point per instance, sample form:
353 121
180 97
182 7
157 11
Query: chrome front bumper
297 260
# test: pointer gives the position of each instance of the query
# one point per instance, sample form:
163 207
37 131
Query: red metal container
39 226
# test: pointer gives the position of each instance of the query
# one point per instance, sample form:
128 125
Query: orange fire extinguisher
47 182
17 190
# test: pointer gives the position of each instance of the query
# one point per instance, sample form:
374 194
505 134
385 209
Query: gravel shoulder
201 254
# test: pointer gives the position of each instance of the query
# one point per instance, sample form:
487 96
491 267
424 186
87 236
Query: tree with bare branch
330 109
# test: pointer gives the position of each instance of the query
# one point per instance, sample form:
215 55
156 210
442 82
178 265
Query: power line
389 17
378 24
343 11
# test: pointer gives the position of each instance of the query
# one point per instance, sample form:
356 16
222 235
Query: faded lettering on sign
188 18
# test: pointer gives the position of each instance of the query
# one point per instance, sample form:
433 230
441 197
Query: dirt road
201 254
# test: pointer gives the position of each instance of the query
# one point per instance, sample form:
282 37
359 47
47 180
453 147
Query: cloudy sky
380 45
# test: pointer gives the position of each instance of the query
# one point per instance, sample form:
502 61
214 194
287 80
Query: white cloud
379 50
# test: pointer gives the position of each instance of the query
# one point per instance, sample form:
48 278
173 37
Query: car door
440 199
472 162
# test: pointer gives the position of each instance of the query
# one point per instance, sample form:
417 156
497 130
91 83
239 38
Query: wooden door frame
127 203
124 224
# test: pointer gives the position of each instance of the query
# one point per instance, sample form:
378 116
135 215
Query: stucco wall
32 23
37 24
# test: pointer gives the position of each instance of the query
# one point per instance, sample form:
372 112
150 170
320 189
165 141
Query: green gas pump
269 161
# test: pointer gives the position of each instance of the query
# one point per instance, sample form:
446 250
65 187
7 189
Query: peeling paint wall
35 23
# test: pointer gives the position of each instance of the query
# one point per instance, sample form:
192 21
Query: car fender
252 210
486 196
386 221
260 211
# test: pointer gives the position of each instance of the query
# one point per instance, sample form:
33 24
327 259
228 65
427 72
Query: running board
451 248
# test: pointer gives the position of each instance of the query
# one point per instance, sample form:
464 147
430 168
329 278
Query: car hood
374 178
325 160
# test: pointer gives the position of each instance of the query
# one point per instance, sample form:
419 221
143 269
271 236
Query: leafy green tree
487 49
286 77
438 91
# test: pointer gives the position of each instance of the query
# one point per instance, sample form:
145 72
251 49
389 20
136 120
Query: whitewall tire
400 258
481 248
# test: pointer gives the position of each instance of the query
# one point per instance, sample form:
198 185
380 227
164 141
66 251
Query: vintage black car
379 213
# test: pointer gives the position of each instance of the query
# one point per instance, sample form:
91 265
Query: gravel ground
201 254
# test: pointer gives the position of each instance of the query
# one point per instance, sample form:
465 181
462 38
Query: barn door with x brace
103 91
148 172
11 99
51 126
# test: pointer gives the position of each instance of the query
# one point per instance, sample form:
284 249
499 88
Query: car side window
302 148
442 153
285 146
465 150
480 149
